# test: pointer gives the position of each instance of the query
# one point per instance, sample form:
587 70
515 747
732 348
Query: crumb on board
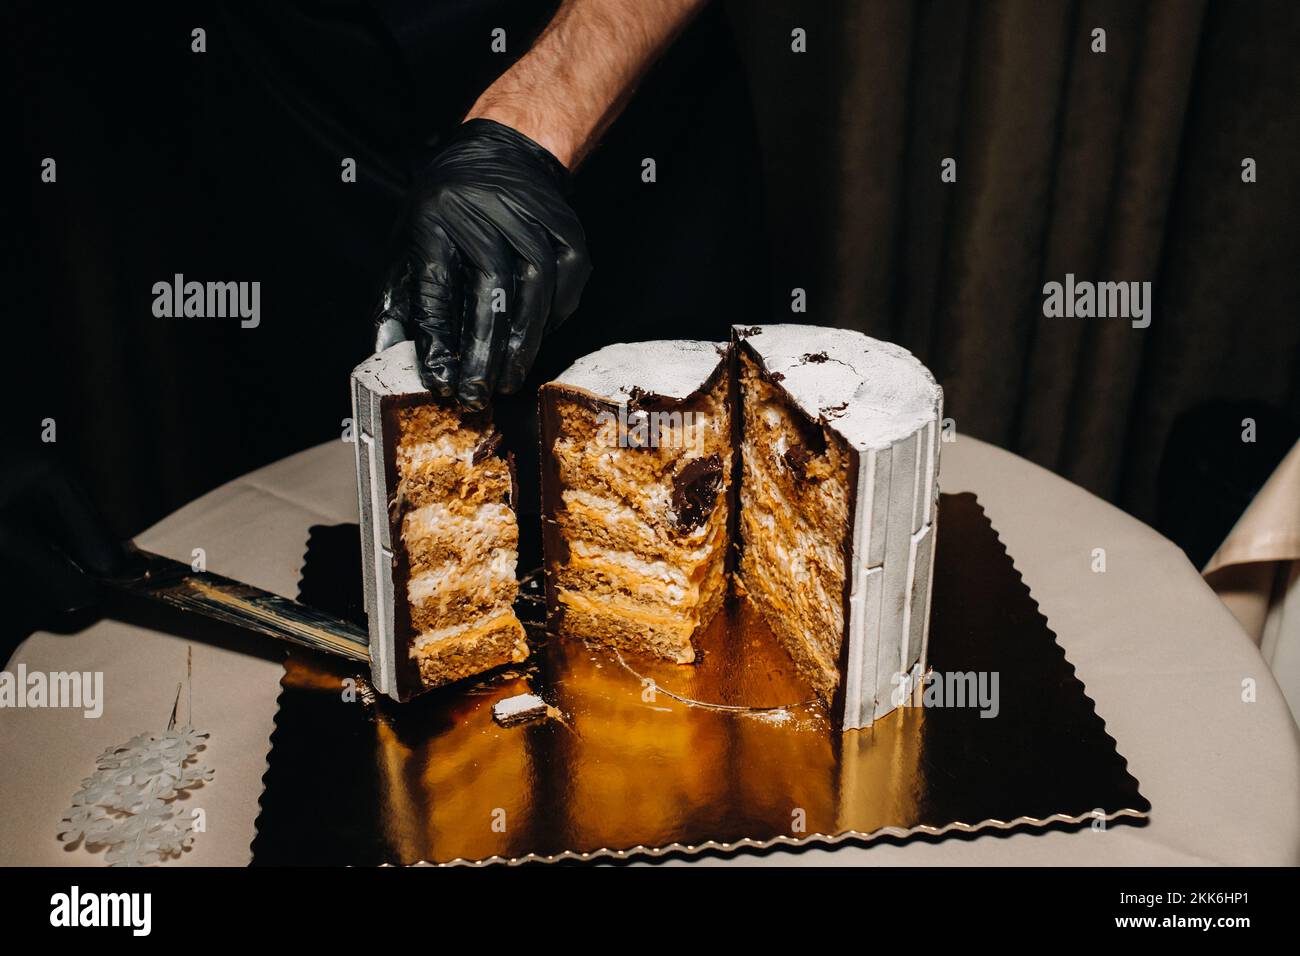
520 708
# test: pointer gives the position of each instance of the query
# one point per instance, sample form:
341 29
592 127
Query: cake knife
220 598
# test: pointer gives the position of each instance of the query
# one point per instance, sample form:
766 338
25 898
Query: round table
1169 668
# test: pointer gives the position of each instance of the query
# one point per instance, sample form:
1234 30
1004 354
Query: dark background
776 170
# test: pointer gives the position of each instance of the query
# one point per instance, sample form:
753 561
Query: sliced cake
838 492
815 456
438 532
637 464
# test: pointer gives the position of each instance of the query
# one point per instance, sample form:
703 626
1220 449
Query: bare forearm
577 77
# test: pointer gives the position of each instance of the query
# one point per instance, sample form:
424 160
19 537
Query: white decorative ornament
131 805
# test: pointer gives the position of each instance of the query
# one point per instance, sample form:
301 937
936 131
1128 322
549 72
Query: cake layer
610 522
455 593
424 425
435 535
627 628
671 487
458 653
617 583
456 483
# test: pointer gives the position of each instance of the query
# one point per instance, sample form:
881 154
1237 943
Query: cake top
674 369
870 392
391 372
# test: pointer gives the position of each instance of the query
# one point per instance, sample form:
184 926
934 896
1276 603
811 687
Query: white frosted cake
838 501
802 459
796 467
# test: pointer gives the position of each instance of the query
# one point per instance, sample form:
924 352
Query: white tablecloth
1159 653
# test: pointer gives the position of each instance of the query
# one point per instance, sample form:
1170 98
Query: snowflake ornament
130 805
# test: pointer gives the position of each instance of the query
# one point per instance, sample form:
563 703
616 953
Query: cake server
233 602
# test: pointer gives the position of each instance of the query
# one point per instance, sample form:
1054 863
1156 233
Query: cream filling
757 466
443 451
438 635
611 467
779 421
757 487
658 570
682 622
785 571
608 467
615 513
453 576
436 520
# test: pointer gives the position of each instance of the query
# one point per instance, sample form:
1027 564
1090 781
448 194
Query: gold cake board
650 758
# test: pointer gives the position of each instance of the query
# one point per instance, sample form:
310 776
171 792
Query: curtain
1122 165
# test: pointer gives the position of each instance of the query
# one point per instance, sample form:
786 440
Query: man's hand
496 257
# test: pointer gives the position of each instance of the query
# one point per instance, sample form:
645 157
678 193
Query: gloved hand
53 542
495 259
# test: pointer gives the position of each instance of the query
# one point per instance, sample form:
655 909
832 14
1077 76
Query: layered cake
439 537
815 462
839 448
637 474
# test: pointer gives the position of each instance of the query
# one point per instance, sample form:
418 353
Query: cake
439 538
810 482
839 454
637 472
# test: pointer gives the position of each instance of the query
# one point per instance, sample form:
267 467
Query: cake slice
439 538
839 453
637 464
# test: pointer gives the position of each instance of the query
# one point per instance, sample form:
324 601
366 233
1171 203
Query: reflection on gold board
648 757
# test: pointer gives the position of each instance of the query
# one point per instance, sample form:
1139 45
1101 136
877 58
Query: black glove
53 543
495 259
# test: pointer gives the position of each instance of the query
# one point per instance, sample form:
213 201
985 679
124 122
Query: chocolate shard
638 396
486 449
695 491
796 459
